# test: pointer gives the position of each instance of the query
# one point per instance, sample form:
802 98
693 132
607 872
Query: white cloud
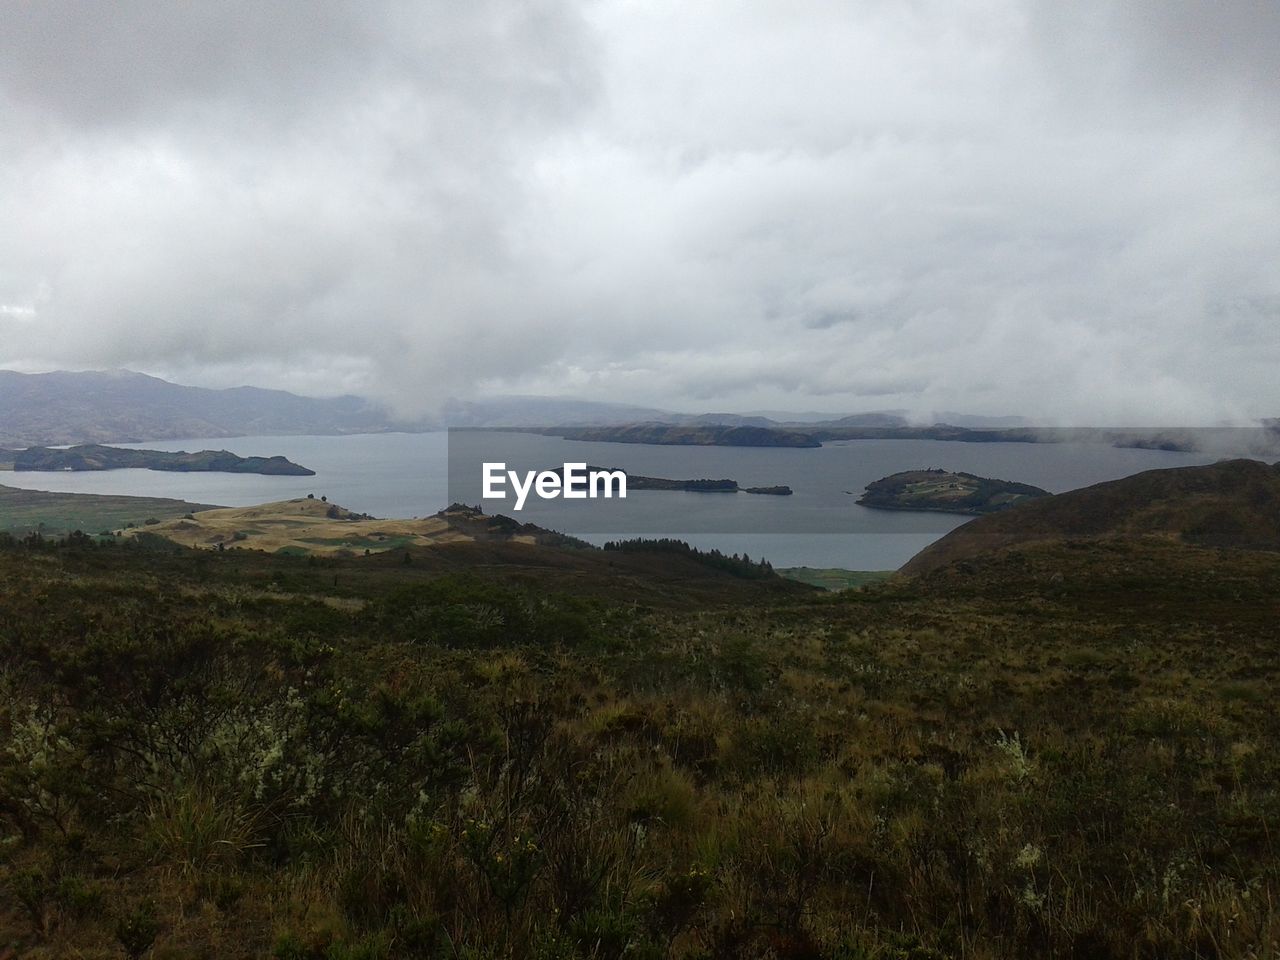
1008 206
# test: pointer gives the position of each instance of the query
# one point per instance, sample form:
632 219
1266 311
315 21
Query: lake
405 475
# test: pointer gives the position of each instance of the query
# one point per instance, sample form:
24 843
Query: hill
944 491
707 435
636 481
526 411
1257 441
120 406
306 525
38 511
499 749
93 456
1233 503
464 540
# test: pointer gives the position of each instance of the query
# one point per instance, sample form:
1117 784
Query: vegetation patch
946 491
1064 752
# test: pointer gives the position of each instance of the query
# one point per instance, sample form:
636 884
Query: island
1257 442
946 492
637 482
667 434
93 456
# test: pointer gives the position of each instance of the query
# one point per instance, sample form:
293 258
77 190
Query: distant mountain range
120 406
688 435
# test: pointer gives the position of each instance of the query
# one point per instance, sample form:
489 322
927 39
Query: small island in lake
93 456
946 492
637 482
778 490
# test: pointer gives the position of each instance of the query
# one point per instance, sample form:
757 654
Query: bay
820 525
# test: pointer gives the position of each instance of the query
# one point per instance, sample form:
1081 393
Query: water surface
406 475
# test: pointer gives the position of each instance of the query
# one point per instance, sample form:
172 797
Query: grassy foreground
1069 752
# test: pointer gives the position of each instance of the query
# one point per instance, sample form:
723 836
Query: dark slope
660 579
1235 503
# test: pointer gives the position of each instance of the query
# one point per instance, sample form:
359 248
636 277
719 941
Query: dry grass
303 526
1071 752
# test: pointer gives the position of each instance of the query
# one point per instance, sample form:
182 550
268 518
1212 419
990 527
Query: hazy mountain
526 411
121 406
517 411
881 418
977 420
864 420
810 416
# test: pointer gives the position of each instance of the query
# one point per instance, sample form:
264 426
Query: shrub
201 831
136 930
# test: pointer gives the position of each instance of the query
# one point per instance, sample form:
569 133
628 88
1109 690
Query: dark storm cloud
1064 210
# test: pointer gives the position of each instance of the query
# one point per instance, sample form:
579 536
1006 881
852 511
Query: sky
1065 211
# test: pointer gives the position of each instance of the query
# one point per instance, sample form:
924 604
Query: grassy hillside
38 511
305 525
500 750
1235 503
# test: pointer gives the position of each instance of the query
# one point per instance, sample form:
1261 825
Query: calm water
403 475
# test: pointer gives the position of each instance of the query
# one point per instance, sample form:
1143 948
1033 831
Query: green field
37 511
835 578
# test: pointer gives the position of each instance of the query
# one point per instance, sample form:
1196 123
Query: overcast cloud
1069 211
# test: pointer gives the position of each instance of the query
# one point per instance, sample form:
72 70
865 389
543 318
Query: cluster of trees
740 565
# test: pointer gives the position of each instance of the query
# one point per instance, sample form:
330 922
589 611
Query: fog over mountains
1070 211
121 406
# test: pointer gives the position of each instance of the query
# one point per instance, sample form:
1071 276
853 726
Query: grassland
302 525
501 750
307 526
835 578
37 511
1232 503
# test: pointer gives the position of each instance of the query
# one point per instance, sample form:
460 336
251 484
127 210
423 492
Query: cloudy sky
1069 211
